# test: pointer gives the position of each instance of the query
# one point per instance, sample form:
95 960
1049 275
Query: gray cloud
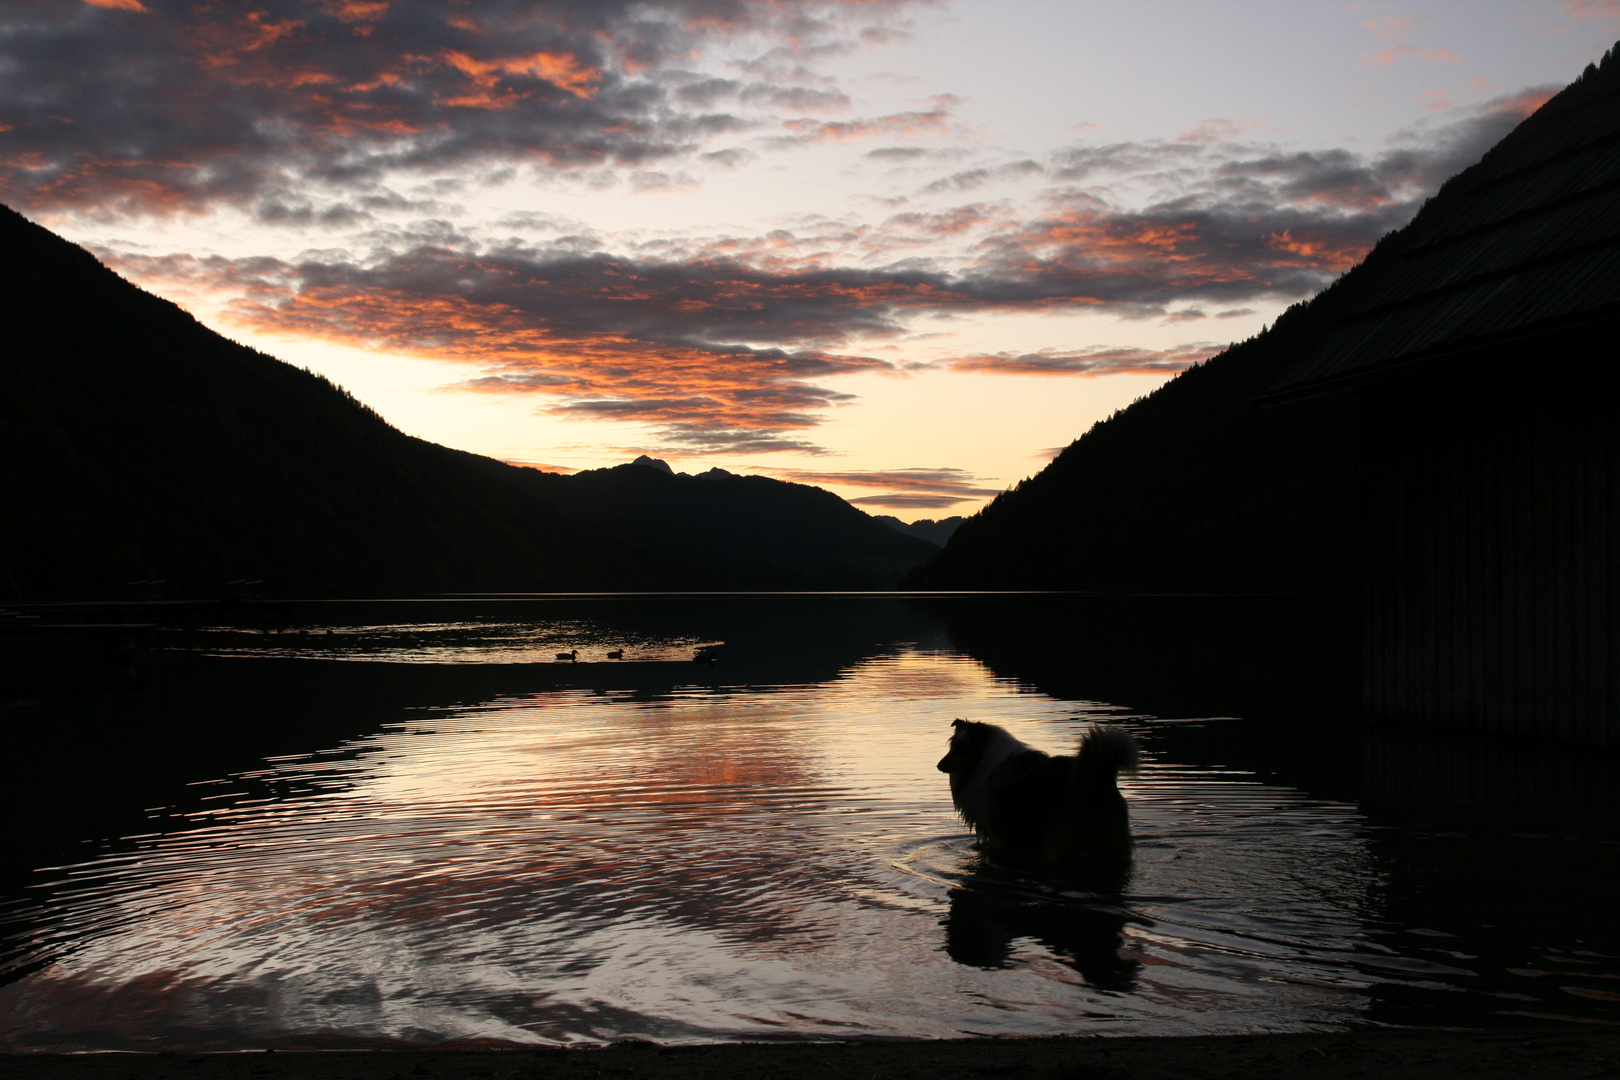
909 500
936 120
905 489
709 93
1237 171
181 105
969 179
898 153
1097 360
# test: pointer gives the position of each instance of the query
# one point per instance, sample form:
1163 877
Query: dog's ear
958 722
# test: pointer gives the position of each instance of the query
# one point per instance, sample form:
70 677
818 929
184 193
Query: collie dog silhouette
1036 811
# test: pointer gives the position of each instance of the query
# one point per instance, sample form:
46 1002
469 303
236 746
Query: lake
406 824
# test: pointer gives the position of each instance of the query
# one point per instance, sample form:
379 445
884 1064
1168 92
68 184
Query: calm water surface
650 850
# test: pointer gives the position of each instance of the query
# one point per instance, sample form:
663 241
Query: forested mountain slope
1194 488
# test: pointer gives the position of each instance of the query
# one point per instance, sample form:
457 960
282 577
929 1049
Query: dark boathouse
1484 350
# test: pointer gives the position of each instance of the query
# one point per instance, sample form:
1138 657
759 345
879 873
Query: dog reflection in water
1059 815
1000 920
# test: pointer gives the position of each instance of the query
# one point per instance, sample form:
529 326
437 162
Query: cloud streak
1098 360
904 489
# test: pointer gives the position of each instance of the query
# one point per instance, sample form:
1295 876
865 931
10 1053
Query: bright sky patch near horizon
901 249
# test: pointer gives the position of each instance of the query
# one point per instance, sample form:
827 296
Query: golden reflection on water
706 864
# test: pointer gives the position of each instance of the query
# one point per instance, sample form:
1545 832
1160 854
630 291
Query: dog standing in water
1034 810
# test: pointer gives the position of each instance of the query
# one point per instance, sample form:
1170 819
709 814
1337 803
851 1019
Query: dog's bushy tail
1107 752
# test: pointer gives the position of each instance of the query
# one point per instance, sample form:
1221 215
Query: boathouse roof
1525 241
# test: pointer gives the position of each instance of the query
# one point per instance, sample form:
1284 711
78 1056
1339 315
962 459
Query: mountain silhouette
1193 488
140 446
740 532
937 533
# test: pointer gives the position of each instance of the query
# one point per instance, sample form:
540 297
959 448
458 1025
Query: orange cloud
710 395
1086 255
351 11
1328 252
1517 106
560 69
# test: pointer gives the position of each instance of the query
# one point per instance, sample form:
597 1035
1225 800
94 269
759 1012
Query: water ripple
749 863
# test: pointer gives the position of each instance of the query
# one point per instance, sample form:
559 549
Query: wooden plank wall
1492 507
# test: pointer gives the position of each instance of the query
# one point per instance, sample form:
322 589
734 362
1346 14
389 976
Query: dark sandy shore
1379 1055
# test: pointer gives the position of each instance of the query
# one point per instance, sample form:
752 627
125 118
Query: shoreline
1519 1054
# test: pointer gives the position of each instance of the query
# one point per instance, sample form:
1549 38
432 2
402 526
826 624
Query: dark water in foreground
409 831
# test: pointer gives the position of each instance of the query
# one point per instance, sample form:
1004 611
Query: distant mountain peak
937 533
654 463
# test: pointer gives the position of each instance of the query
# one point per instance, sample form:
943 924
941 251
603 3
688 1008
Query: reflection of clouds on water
561 847
705 863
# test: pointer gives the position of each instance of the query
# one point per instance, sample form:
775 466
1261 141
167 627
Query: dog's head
968 738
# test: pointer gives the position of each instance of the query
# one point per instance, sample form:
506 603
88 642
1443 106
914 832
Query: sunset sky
897 248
